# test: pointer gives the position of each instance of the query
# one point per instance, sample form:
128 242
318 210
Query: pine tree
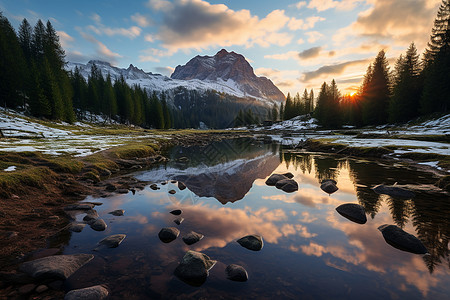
436 90
311 101
52 91
274 113
38 41
305 101
39 105
288 108
281 112
25 39
320 111
110 98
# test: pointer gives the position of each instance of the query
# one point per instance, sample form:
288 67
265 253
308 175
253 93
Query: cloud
322 5
77 56
102 51
296 24
310 53
336 69
314 36
141 20
100 29
167 71
197 24
300 4
153 54
65 39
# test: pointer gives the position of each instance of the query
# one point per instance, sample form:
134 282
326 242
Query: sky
296 44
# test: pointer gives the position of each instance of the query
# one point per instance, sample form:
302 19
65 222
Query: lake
310 251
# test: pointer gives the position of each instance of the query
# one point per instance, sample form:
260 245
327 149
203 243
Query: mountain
226 72
231 69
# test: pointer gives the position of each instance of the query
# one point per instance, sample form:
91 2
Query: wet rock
353 212
173 181
192 238
176 212
26 289
110 187
252 242
96 292
164 183
99 225
393 191
42 288
56 285
91 216
287 185
289 175
400 239
112 241
122 191
181 185
236 273
154 187
81 206
179 220
57 266
168 234
274 178
329 186
194 268
77 227
117 212
172 192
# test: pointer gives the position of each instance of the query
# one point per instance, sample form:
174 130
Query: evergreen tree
80 88
38 41
165 110
376 91
281 112
407 89
305 101
436 90
52 91
322 99
25 39
311 101
288 108
39 105
110 98
274 113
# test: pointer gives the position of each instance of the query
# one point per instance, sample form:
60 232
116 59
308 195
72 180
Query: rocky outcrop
398 238
229 66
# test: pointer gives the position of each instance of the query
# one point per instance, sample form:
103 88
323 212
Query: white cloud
141 20
102 51
100 29
300 4
65 39
322 5
314 36
149 38
296 24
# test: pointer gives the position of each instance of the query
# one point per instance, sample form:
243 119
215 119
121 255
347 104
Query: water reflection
310 250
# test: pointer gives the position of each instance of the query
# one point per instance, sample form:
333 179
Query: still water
310 251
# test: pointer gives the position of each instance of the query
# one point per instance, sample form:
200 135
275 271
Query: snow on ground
298 123
10 169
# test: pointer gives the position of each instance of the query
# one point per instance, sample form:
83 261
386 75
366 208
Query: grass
17 181
131 151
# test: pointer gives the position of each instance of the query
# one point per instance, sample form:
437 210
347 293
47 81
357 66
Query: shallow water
310 251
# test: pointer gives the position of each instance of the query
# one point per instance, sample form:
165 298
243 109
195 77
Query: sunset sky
297 44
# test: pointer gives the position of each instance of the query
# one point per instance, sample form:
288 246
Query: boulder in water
112 241
236 273
192 237
353 212
329 186
96 292
194 268
168 234
252 242
287 185
393 191
400 239
274 178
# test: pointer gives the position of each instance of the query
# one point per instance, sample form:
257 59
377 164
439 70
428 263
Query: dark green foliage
327 109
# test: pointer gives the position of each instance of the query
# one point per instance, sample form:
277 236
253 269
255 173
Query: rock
112 241
353 212
287 185
81 206
252 242
96 292
56 285
122 191
181 186
176 212
57 266
172 192
99 225
168 234
110 187
329 186
154 187
402 240
236 273
179 220
194 267
91 216
393 191
289 175
42 288
117 212
77 227
27 288
192 238
274 178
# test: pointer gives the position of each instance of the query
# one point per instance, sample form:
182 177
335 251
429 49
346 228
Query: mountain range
226 72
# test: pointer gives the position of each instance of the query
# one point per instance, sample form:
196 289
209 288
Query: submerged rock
329 186
194 268
287 185
81 206
117 212
96 292
57 266
172 192
289 175
179 220
112 241
168 234
274 178
353 212
400 239
122 191
176 212
91 216
77 227
393 191
252 242
192 238
99 225
236 273
154 186
181 185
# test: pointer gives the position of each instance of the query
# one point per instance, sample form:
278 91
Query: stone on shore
252 242
287 185
194 267
77 227
168 234
99 225
81 206
353 212
181 185
117 212
96 292
400 239
112 241
274 178
393 191
192 238
236 273
57 266
329 186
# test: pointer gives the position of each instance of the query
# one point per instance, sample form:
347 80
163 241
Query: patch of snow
298 123
10 169
433 164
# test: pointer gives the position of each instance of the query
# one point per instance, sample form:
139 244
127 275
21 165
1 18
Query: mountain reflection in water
310 250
